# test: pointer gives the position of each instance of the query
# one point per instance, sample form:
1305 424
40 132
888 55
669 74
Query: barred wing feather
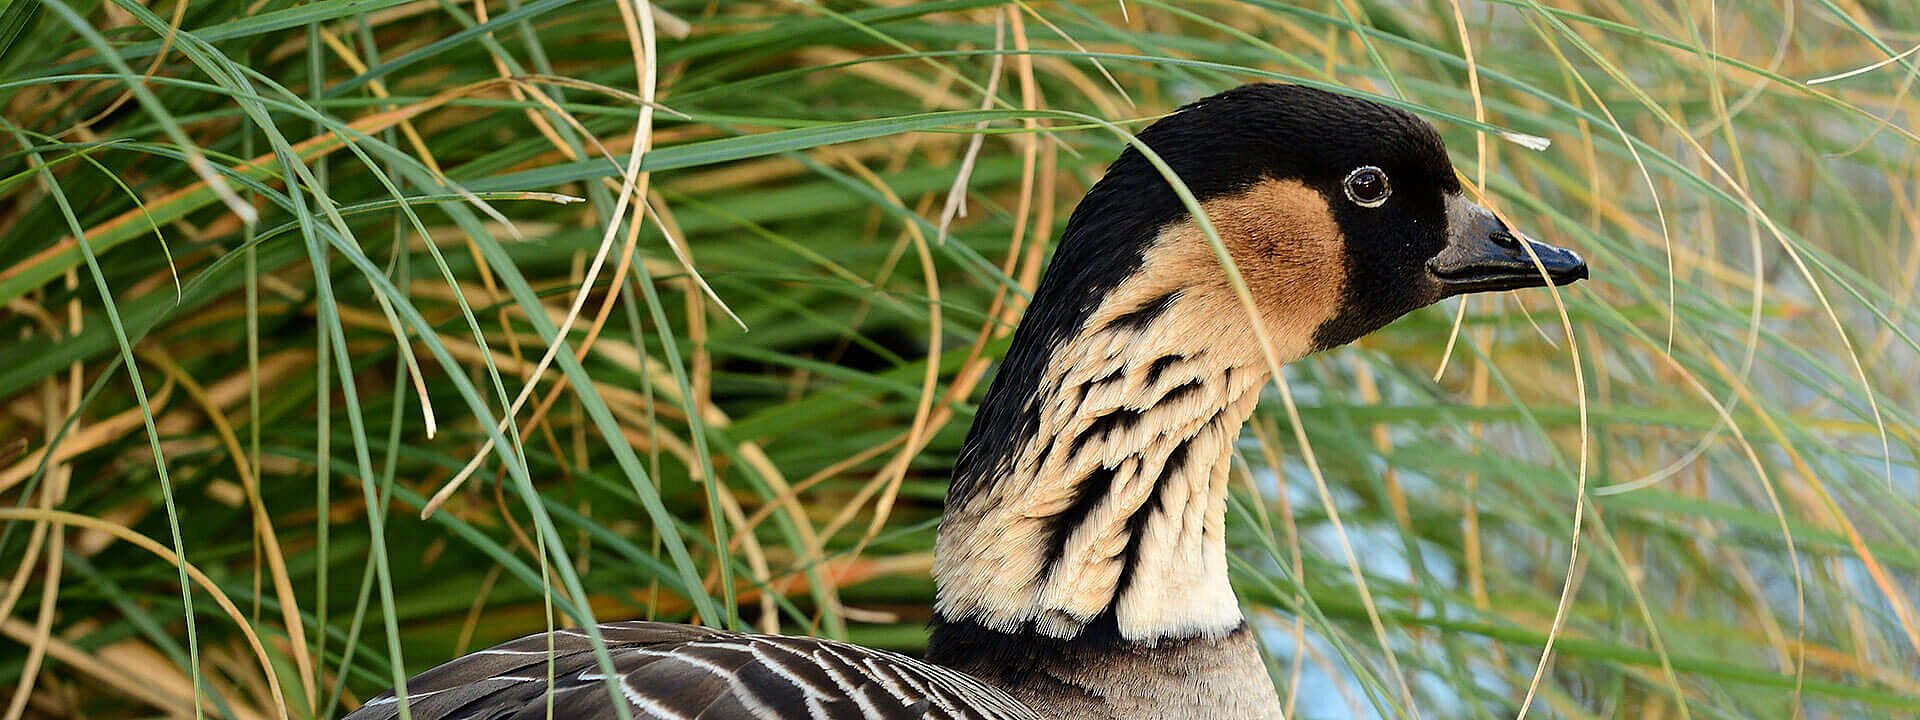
682 672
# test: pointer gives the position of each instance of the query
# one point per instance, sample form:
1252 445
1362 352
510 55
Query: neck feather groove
1091 491
1114 505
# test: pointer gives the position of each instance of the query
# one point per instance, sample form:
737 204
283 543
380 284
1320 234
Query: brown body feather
665 671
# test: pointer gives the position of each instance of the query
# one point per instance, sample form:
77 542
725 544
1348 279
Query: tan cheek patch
1282 236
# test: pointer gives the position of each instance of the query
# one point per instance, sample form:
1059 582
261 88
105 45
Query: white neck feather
1117 502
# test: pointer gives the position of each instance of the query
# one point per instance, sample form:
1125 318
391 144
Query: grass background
337 240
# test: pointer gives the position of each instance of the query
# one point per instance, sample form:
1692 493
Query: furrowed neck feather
1091 490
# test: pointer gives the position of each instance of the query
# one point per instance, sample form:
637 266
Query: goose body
1081 562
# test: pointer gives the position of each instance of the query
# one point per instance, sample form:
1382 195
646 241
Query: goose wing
665 671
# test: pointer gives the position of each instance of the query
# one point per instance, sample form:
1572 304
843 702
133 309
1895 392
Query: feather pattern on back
666 671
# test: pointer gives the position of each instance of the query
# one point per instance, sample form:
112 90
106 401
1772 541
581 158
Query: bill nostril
1505 240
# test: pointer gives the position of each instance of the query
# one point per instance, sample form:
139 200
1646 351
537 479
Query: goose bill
1483 255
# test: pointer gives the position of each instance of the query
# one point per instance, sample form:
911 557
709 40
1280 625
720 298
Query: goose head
1089 493
1341 214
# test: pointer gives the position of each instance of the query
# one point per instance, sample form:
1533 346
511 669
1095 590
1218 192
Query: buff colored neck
1116 505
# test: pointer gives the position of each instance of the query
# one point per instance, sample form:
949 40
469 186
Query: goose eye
1367 186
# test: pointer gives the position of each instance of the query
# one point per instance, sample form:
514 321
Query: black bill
1483 255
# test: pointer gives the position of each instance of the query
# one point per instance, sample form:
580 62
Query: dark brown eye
1367 186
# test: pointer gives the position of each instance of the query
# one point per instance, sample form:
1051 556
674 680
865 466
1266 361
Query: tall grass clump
341 337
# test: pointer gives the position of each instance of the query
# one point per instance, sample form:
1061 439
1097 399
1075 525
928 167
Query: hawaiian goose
1081 564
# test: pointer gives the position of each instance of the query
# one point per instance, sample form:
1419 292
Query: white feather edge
1530 142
